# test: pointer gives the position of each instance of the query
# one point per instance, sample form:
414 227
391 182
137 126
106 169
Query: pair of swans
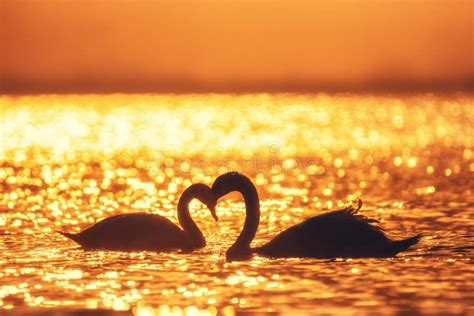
337 234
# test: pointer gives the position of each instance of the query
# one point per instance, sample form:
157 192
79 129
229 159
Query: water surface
68 161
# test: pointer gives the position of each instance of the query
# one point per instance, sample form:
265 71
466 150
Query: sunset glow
191 46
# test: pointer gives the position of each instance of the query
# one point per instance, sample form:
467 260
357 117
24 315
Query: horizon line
174 87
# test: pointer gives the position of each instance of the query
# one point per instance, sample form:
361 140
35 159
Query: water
68 161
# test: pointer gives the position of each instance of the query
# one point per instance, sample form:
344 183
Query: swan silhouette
144 231
336 234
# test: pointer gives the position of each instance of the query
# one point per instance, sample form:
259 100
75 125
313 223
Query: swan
144 231
336 234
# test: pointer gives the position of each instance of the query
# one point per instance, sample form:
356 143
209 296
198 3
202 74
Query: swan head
205 195
228 182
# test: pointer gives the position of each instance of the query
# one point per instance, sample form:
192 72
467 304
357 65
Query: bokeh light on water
69 161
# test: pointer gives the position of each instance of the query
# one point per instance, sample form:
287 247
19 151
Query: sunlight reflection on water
68 161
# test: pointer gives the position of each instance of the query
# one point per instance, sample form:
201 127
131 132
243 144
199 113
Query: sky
235 46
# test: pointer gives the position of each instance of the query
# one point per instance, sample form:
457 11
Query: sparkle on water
69 161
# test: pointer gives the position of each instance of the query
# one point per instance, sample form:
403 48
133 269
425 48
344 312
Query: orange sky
196 45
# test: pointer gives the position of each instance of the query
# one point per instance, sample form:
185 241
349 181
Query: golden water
68 161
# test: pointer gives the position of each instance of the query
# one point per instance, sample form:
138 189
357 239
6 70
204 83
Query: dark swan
337 234
144 231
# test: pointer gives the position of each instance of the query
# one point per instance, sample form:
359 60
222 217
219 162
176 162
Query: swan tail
404 244
74 237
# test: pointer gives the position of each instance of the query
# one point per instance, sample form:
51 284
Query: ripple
68 161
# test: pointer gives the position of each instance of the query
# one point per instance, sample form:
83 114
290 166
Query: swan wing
134 231
102 223
342 233
346 223
343 227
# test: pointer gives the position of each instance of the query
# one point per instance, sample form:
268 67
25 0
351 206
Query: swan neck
252 218
194 234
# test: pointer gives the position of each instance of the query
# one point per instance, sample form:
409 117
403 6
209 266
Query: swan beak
212 208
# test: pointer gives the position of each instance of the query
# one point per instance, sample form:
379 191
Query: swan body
144 231
337 234
134 231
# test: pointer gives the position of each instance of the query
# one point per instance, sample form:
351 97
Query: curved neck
252 216
196 238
